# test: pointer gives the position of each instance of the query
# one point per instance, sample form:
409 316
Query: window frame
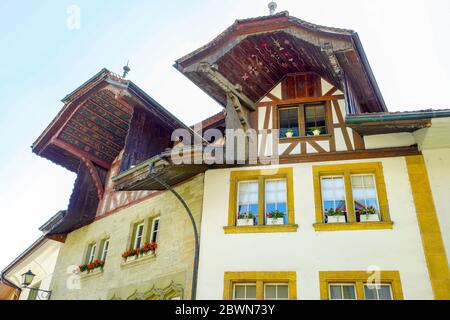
152 229
347 170
302 120
265 197
104 253
378 296
342 284
91 251
136 229
359 279
245 284
260 279
261 176
275 284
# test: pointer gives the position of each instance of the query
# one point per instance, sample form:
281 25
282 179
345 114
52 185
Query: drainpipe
10 284
194 226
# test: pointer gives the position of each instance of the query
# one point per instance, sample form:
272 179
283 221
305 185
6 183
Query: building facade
354 207
334 198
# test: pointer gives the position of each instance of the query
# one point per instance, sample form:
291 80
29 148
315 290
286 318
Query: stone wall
167 275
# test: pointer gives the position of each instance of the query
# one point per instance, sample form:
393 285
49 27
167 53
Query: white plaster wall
438 164
306 251
403 139
41 262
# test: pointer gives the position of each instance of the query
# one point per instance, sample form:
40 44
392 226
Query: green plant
289 130
367 210
246 215
275 214
334 212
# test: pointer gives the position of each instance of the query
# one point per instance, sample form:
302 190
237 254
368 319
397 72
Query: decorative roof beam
327 48
214 75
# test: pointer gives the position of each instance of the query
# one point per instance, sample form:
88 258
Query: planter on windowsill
245 222
369 218
135 254
289 134
94 267
336 219
274 221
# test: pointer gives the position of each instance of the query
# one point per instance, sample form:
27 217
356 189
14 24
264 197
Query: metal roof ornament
126 69
272 7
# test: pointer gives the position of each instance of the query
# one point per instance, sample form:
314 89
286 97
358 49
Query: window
357 285
244 291
248 201
315 123
380 292
276 291
276 199
154 230
139 233
105 248
279 285
333 197
265 194
91 252
342 292
350 196
364 196
289 121
303 120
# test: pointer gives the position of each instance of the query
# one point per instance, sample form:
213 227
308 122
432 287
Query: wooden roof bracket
211 72
327 48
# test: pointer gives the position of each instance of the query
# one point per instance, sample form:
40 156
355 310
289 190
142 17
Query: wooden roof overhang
105 115
253 55
142 176
94 122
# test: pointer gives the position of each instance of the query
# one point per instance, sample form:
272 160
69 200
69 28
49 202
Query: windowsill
261 229
138 261
382 225
305 138
93 274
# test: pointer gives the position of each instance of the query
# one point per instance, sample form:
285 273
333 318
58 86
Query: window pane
333 193
315 119
289 120
276 197
271 291
349 292
251 291
370 293
384 292
364 194
283 291
239 292
248 197
335 292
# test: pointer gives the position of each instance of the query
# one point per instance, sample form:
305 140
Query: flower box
336 219
245 222
289 134
369 218
274 221
131 258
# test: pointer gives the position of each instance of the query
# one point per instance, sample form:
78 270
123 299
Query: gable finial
126 69
272 7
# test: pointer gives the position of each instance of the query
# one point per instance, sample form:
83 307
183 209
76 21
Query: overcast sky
41 60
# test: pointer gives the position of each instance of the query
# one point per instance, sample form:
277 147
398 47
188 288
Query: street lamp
27 279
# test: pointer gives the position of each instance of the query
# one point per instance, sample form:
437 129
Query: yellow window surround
261 176
346 170
359 278
259 278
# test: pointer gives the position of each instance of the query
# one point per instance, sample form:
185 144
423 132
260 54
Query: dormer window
302 120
